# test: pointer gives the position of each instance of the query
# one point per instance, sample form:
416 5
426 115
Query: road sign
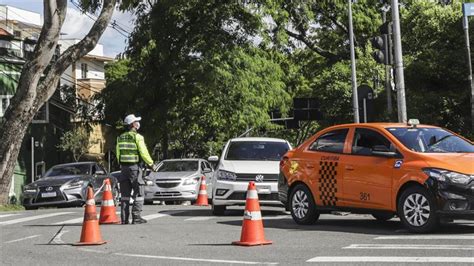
468 9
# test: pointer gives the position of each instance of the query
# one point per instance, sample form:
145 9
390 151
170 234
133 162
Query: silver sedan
177 180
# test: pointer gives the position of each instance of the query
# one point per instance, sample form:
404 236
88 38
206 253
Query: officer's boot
138 220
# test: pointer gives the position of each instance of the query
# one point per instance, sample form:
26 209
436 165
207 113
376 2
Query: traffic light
382 44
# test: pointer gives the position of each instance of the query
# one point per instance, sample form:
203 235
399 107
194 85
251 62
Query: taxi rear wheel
417 210
302 206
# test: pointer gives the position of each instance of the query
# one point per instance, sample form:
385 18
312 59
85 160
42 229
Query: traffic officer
131 151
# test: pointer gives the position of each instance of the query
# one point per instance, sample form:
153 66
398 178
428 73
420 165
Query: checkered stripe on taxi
328 183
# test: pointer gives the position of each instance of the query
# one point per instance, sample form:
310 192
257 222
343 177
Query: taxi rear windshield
256 151
431 140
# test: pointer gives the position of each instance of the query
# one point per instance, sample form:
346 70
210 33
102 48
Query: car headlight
73 184
191 181
30 189
226 175
445 175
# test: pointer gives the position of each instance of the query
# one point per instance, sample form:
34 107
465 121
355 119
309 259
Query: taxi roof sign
413 122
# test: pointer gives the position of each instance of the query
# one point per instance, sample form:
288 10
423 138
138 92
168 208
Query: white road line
154 216
77 220
394 259
278 217
202 218
57 239
193 259
158 215
437 237
72 221
409 246
21 239
26 219
8 215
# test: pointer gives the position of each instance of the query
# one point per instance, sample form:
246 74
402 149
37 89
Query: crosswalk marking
202 218
153 216
423 237
409 246
21 239
72 221
77 220
31 218
394 259
8 215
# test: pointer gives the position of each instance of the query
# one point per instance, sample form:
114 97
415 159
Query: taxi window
332 141
366 139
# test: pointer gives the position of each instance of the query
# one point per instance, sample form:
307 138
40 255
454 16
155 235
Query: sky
78 24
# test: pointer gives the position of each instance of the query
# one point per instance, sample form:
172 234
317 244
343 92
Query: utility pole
399 78
355 101
388 85
468 10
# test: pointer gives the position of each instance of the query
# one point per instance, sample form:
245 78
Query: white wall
13 13
65 43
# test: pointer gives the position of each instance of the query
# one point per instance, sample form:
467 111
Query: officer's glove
154 167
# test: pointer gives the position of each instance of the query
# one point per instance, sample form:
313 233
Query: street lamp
355 101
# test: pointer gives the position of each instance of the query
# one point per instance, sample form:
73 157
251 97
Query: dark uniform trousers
131 180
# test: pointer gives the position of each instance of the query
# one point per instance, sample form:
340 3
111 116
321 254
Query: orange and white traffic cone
90 234
252 225
202 199
107 210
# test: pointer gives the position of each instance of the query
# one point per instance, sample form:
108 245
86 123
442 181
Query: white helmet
129 119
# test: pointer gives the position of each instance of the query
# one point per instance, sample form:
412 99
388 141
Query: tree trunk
32 94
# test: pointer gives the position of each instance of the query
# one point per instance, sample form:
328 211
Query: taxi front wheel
417 210
302 206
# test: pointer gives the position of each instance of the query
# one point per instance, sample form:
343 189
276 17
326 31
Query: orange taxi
421 173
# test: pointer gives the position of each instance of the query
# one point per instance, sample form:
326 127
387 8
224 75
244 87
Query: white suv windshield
256 151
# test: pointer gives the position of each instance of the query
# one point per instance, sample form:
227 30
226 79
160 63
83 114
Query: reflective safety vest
127 148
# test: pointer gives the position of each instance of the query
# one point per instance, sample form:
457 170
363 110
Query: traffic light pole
400 79
355 101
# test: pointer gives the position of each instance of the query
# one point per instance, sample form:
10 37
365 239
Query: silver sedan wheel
300 204
416 209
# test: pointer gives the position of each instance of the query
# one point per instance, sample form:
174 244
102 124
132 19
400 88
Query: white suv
244 160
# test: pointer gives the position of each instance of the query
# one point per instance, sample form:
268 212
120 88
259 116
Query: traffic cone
90 234
252 225
107 210
202 199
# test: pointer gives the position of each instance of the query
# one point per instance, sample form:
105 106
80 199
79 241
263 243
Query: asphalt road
190 235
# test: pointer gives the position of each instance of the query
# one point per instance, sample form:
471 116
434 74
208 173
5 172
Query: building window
4 103
83 70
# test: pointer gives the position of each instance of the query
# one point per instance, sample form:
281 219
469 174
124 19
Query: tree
196 91
76 141
40 76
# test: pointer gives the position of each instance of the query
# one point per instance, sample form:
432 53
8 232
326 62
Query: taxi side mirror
206 170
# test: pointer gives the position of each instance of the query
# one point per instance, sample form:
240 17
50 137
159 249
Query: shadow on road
357 226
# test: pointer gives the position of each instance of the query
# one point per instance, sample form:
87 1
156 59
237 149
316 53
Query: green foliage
76 141
201 72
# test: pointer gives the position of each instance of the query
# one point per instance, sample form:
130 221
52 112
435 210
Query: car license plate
48 195
263 190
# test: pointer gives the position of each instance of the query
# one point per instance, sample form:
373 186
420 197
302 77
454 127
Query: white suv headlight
445 175
226 175
191 181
